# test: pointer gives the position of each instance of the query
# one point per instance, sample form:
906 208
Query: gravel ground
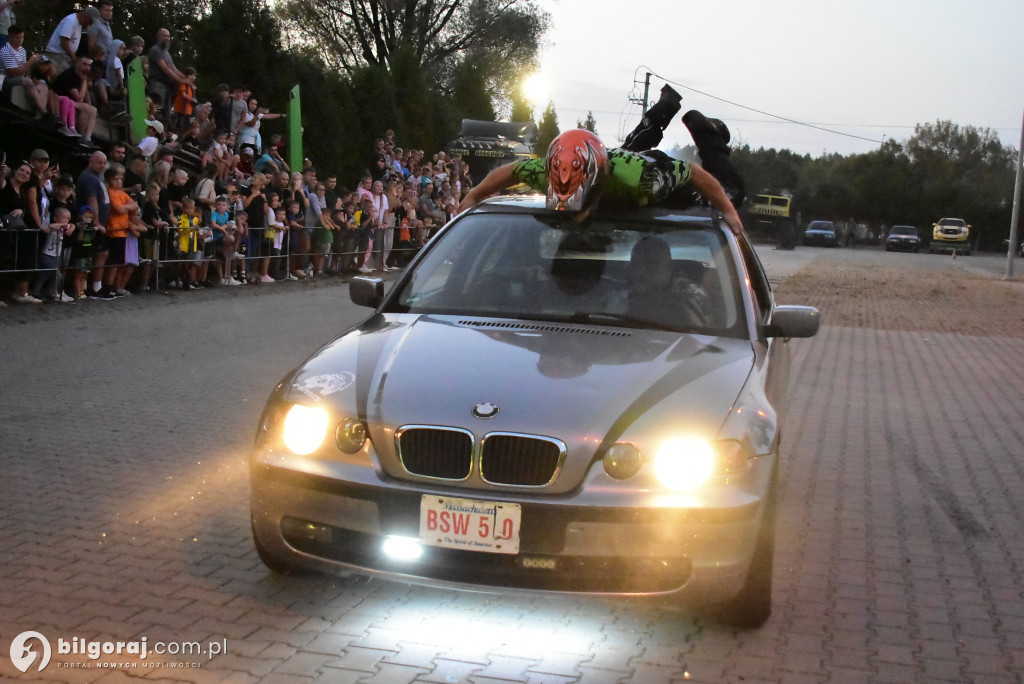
906 292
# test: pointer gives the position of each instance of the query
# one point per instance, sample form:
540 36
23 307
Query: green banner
295 130
136 81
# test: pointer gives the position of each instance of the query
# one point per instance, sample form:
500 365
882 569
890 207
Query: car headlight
684 463
304 429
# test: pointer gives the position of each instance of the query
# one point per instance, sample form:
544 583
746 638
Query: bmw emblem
485 410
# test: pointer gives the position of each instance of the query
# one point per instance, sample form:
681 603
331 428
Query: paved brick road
124 428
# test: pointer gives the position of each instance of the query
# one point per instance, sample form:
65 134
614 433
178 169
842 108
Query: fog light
402 548
622 461
350 435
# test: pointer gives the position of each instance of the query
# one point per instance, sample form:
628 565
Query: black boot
712 139
647 134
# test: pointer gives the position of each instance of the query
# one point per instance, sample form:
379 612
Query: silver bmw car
547 405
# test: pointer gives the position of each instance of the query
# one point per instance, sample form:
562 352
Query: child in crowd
82 251
189 244
220 156
323 236
279 223
336 264
63 196
56 231
295 219
133 239
151 142
241 220
185 100
366 218
158 222
135 47
224 238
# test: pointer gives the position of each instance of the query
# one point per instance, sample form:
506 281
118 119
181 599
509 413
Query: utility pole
647 90
1015 216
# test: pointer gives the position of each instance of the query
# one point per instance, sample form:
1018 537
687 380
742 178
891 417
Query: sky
864 70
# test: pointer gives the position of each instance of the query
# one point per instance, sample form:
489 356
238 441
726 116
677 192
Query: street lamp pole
1014 218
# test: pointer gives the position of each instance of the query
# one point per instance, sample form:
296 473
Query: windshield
659 275
903 230
821 225
960 223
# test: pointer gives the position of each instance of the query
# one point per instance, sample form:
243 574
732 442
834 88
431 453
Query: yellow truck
950 235
771 216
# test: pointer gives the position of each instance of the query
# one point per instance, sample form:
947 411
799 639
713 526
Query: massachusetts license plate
469 524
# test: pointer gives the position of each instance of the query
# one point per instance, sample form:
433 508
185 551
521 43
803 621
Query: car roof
535 204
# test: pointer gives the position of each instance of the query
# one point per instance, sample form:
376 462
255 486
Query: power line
760 111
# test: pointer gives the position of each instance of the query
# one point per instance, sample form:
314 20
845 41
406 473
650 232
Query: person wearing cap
43 175
154 132
246 161
63 45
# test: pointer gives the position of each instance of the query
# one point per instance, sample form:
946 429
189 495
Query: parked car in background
821 233
903 238
949 235
544 404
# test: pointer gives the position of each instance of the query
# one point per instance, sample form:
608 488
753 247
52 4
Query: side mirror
794 321
366 291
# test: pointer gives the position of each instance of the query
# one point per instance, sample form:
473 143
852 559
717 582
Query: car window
758 281
655 274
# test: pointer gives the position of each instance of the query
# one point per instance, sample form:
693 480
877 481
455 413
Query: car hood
584 385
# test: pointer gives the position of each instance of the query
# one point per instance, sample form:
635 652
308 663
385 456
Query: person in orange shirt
185 101
122 209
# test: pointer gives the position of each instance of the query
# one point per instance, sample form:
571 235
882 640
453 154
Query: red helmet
577 164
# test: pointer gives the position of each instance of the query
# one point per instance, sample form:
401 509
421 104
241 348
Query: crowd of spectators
200 201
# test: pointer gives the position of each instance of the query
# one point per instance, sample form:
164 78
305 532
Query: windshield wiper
632 321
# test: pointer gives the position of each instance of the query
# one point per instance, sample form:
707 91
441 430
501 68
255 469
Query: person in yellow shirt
190 244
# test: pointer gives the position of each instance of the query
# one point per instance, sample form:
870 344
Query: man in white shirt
63 45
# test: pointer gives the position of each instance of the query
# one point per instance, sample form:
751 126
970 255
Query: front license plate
469 524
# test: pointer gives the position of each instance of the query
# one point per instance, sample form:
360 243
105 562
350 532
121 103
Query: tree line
943 170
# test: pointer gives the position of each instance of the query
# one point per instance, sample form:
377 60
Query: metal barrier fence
162 262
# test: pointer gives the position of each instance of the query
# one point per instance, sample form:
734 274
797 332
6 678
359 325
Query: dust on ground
912 293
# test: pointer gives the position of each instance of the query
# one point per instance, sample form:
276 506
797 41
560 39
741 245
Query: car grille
433 452
504 458
519 460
